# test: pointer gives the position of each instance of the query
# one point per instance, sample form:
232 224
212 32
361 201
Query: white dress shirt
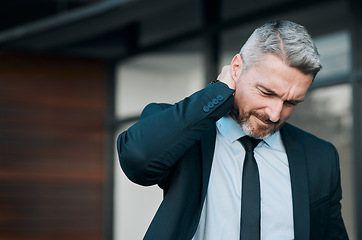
220 216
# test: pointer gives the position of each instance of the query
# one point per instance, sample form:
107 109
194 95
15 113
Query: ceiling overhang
102 30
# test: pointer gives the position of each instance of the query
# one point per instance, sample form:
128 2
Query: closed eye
291 103
269 93
266 92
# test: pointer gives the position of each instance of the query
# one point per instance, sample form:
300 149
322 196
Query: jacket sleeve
149 148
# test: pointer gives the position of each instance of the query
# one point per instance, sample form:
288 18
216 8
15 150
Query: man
194 151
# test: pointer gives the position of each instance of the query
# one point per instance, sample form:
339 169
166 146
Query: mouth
264 120
261 121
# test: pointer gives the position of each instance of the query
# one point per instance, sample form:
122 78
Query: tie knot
249 143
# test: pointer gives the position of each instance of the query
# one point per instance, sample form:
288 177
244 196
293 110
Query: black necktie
250 203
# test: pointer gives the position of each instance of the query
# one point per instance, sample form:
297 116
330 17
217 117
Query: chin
258 132
255 133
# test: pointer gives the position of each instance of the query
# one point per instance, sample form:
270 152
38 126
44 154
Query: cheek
244 102
287 112
239 97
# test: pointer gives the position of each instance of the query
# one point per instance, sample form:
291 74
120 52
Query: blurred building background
76 73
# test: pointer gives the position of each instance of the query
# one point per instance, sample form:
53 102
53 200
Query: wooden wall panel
52 171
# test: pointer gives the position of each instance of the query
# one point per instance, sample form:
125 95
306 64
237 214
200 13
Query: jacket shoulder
152 108
302 136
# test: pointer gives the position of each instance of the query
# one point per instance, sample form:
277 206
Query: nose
274 110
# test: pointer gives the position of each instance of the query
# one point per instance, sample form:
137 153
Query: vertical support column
211 39
108 207
131 33
131 41
356 80
357 156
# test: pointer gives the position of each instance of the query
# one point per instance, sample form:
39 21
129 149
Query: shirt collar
231 130
275 141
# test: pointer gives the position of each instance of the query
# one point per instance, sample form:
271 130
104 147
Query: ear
236 67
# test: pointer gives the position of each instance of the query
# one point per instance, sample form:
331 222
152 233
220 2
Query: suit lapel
207 151
299 182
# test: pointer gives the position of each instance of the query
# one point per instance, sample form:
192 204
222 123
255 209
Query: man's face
267 94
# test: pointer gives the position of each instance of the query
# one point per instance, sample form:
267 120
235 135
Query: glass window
327 113
164 76
335 50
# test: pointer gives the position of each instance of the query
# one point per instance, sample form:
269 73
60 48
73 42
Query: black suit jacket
173 146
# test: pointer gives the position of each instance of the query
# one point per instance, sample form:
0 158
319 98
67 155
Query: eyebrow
272 92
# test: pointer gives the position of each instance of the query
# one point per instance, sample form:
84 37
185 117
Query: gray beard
243 122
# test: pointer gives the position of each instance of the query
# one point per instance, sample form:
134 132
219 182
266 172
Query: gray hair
289 41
